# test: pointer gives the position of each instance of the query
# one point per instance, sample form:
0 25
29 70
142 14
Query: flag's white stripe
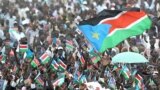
113 17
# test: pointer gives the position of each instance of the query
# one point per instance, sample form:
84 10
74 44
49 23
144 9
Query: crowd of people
48 29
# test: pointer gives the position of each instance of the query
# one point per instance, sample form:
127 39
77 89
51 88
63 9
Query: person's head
42 37
16 24
19 28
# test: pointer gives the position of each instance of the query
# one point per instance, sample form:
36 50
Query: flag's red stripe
124 20
63 65
41 81
82 60
23 46
93 59
44 56
56 83
69 42
138 77
56 65
36 61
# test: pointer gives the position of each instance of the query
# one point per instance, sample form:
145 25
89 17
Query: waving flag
139 82
62 66
69 45
54 65
110 27
35 63
59 82
77 76
82 61
125 72
23 47
138 79
117 69
45 58
39 81
95 59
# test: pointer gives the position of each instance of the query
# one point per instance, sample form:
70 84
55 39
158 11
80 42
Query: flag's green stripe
23 49
137 80
53 67
125 75
46 60
33 64
61 67
124 33
69 46
39 82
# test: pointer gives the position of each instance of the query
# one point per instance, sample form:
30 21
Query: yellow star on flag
95 35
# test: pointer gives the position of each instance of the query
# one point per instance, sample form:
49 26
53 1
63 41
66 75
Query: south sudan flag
110 27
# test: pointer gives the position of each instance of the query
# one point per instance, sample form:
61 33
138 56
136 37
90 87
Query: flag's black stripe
104 14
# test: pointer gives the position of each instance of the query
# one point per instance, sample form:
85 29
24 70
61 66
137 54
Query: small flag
39 81
54 65
95 59
23 47
62 66
117 69
138 81
77 75
125 72
82 61
58 82
45 58
69 45
35 62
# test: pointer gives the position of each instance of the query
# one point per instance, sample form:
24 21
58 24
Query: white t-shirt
32 34
1 34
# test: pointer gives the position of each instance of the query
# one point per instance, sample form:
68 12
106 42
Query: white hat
60 47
